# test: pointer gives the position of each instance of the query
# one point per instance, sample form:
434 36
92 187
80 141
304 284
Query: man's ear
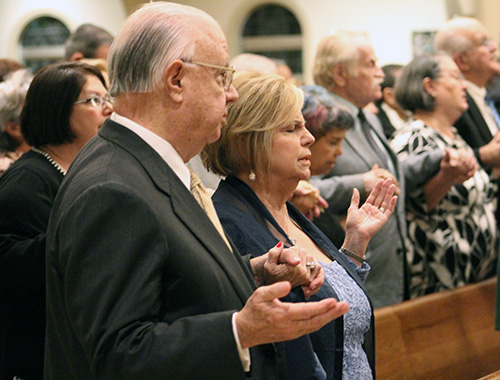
388 95
461 61
174 77
76 56
340 75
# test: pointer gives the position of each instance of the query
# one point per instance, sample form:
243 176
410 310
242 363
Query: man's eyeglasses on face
96 101
487 42
227 72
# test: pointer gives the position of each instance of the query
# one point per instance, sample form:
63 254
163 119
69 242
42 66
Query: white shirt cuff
244 353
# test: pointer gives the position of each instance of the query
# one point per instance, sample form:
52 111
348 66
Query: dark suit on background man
467 42
472 127
385 122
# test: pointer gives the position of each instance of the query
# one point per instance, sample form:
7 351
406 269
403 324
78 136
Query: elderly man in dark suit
467 41
141 281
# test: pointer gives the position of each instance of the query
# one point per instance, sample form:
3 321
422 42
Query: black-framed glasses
227 72
96 101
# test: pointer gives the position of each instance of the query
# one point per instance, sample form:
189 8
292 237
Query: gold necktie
200 194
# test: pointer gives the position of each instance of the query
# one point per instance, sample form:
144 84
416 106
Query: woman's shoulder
412 138
241 220
31 170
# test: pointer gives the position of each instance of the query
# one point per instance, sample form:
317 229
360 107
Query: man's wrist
244 353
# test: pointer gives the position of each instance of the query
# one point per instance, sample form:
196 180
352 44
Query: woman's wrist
353 255
355 242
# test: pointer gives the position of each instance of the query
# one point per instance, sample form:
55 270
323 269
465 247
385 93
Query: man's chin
214 136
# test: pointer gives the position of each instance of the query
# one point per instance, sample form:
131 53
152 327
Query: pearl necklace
50 159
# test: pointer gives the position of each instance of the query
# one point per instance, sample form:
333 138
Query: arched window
42 42
274 31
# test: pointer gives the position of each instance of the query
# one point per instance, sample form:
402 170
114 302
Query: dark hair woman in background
65 105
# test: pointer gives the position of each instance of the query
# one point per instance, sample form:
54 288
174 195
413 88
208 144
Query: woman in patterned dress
451 221
265 151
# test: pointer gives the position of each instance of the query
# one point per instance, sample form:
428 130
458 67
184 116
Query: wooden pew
448 335
491 376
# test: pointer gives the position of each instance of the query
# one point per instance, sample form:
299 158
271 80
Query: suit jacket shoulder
472 126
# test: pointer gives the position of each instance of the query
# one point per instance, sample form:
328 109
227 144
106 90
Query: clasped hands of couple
266 319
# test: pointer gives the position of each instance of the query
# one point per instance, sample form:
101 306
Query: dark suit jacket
472 127
385 122
140 285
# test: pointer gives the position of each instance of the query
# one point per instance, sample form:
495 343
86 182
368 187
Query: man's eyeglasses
96 101
227 72
488 42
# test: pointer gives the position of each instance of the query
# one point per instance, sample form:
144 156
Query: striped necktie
201 195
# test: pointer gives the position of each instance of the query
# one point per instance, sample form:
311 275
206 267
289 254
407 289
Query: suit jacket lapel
184 205
388 149
477 119
192 215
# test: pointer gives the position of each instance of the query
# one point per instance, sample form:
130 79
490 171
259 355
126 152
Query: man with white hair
142 282
467 41
346 65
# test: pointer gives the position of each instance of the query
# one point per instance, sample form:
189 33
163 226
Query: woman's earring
251 176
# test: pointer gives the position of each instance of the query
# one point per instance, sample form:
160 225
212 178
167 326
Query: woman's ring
382 210
311 265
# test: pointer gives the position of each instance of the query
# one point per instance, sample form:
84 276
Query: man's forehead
367 52
213 44
476 32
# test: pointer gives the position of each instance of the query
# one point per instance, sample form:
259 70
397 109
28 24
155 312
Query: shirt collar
166 151
346 103
475 91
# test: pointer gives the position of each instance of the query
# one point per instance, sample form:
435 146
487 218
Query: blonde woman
264 151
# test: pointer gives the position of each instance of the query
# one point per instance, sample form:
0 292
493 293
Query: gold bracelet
351 254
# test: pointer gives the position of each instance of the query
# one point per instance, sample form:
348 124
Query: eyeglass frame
101 103
227 78
459 77
487 42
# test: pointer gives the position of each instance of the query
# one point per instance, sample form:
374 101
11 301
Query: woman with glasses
65 105
264 151
451 221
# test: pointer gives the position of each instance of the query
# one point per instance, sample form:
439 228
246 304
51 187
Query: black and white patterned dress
456 242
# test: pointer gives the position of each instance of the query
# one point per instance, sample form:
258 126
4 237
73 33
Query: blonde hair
339 47
266 103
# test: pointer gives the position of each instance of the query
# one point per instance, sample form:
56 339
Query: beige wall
16 14
488 11
390 23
